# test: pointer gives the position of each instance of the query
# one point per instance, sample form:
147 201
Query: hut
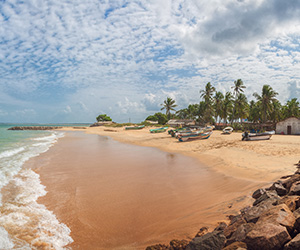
289 126
180 122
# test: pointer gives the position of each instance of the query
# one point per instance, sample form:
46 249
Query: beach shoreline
203 151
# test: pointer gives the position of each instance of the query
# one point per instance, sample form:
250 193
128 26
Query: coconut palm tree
169 105
207 95
254 111
227 106
237 89
291 108
241 107
218 103
266 99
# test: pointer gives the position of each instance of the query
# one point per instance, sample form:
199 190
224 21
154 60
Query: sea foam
25 224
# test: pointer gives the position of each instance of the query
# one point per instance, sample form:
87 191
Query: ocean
24 223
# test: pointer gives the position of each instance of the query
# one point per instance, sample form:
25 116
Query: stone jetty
34 128
271 223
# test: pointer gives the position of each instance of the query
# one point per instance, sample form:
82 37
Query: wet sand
119 196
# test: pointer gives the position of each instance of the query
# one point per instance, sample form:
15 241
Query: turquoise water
25 224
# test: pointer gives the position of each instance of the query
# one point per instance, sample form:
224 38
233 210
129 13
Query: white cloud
125 59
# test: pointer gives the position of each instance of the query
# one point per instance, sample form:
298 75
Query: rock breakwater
34 128
272 222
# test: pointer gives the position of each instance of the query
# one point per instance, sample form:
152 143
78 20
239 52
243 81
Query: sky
71 60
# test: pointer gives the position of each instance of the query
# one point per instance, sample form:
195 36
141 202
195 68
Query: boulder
214 240
279 188
202 231
289 182
295 188
221 226
292 202
235 222
258 193
267 195
293 244
178 244
253 213
296 214
158 247
240 233
236 246
267 236
280 214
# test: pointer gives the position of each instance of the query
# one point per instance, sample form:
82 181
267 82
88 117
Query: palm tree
291 108
169 105
241 106
277 113
266 99
218 98
227 106
237 89
254 111
208 100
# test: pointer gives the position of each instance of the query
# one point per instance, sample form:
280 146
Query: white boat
227 130
257 136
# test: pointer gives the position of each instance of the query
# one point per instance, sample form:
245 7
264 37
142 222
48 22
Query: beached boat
197 135
227 130
158 130
257 136
135 127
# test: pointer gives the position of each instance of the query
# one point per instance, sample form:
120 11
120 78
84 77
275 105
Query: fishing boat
158 130
194 136
227 130
257 136
135 127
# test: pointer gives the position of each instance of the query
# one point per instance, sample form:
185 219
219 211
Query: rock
267 195
295 188
292 202
235 222
214 240
34 128
236 246
221 226
267 236
279 188
240 233
253 213
289 182
280 214
296 214
293 244
202 231
258 193
178 244
158 247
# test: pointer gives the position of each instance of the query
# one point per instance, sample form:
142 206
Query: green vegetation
102 118
233 107
158 117
169 105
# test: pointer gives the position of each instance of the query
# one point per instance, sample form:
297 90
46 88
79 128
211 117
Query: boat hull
194 136
257 136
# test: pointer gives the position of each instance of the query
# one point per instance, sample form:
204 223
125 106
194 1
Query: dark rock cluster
34 128
271 223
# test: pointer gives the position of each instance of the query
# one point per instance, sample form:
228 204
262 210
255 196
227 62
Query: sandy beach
111 202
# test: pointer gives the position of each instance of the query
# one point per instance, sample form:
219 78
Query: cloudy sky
70 60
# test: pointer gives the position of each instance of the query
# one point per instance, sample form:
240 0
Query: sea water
24 223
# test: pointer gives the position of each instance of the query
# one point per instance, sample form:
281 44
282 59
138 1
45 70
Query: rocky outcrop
34 128
272 222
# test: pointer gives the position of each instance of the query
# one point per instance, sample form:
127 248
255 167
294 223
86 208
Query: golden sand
144 206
